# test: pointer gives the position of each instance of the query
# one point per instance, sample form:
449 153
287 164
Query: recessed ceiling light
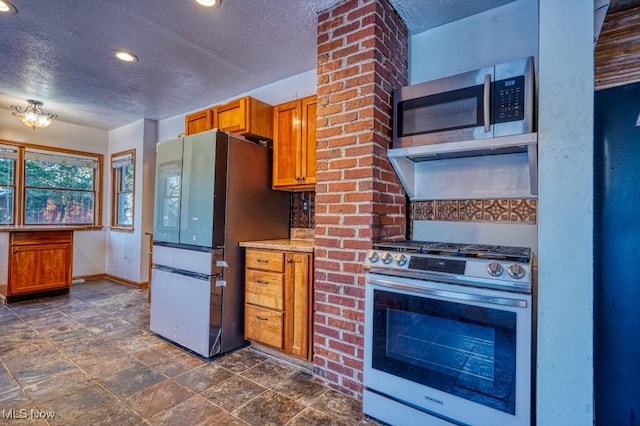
6 7
209 3
126 56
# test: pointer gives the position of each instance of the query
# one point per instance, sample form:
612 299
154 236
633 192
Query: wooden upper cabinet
294 145
245 116
197 122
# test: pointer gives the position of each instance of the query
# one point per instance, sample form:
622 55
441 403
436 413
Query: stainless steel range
448 334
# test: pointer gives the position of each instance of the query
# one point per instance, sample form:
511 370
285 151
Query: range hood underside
505 167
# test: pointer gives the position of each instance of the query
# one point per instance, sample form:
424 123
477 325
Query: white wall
294 87
497 35
89 247
565 212
127 252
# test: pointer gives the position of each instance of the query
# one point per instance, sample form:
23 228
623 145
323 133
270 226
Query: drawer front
264 289
40 237
263 326
264 260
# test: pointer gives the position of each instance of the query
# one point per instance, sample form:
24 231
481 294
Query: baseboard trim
115 278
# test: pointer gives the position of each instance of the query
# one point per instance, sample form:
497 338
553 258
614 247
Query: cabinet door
298 304
286 144
197 122
40 267
231 116
308 143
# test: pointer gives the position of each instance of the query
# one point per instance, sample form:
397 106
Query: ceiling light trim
6 8
125 56
210 3
32 115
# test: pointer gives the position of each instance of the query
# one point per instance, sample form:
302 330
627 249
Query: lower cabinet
278 300
39 261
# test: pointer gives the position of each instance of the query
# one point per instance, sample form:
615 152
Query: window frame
11 185
19 203
116 180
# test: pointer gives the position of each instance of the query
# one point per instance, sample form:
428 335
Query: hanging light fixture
32 115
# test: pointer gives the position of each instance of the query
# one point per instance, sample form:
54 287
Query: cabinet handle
262 282
289 260
262 260
262 318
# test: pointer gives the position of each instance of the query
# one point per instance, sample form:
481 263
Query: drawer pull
262 318
262 282
263 260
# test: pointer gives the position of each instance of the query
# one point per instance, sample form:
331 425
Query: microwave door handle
487 101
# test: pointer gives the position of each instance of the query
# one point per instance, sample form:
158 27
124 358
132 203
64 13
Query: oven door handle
503 301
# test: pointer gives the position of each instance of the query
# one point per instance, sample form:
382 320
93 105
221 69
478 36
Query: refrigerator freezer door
179 258
166 218
180 310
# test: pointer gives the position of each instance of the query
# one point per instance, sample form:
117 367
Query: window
8 157
122 183
47 186
59 188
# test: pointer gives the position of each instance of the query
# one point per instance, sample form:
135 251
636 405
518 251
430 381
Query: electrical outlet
305 205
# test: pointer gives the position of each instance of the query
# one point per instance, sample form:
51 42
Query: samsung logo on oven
437 401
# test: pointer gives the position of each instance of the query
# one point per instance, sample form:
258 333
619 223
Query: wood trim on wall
141 284
617 52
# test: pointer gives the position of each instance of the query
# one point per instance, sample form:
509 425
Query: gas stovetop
481 265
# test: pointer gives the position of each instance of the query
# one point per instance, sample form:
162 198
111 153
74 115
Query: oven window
461 349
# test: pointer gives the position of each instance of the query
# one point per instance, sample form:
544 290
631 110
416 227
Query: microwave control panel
508 100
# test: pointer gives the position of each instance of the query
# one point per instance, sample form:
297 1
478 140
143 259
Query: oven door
459 353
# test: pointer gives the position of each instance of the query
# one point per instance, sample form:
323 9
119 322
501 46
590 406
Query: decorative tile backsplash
303 209
501 210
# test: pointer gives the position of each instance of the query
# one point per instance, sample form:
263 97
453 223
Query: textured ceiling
61 52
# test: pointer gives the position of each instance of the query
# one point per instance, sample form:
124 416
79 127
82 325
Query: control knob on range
401 259
386 257
495 269
373 257
516 271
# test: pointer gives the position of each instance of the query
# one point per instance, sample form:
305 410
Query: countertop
304 245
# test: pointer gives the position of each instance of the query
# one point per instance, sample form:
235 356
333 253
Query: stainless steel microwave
486 103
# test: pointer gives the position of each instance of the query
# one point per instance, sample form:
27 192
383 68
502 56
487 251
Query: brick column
362 57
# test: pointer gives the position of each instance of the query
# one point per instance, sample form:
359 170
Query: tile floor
89 358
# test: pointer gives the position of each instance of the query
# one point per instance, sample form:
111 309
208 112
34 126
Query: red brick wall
362 57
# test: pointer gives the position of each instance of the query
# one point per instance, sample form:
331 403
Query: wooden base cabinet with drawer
278 300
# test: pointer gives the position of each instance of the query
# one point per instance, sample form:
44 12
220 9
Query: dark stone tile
311 417
104 364
157 353
178 364
269 408
156 398
132 380
114 413
25 353
57 386
141 342
269 373
72 405
300 387
37 372
340 407
230 420
240 361
196 410
233 393
6 381
107 326
204 377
